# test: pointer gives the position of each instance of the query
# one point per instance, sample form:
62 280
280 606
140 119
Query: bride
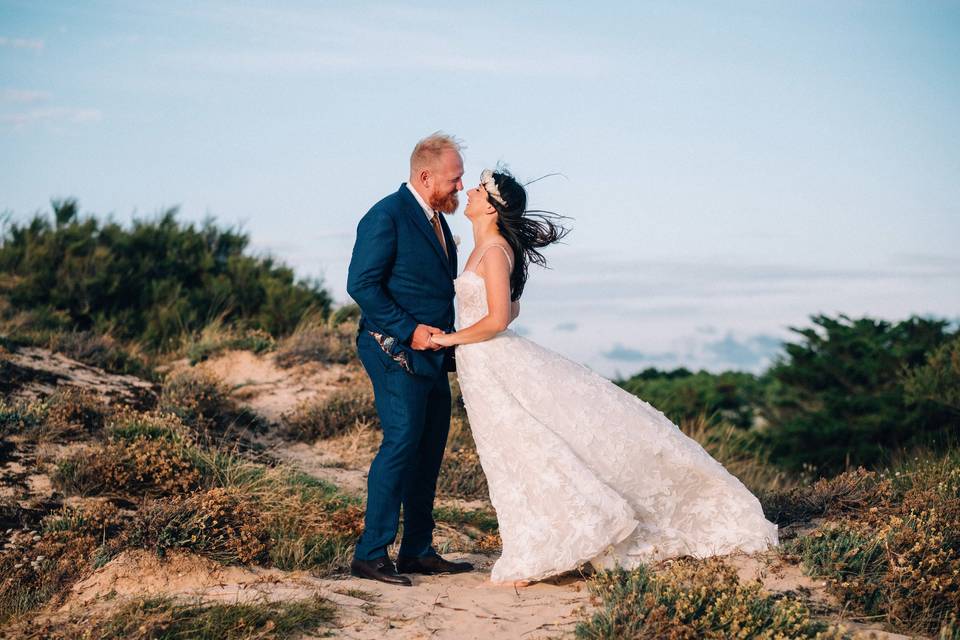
578 469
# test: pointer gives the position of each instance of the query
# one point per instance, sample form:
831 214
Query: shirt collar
426 209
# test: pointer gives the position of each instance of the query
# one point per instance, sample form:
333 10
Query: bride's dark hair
524 230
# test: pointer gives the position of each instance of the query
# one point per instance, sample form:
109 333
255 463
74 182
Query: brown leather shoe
431 564
381 569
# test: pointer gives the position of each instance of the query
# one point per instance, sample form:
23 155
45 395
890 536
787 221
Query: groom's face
447 180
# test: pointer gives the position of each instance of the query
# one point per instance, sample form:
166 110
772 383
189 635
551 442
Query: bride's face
477 203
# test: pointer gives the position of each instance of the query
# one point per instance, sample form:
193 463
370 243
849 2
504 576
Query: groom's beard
446 204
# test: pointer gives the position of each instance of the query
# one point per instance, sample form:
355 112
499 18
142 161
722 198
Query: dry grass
333 415
103 351
167 618
461 475
849 492
217 337
316 339
221 524
733 448
690 600
141 466
40 567
68 414
895 554
204 403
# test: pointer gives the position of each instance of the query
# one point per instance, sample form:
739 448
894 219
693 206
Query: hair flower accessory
486 179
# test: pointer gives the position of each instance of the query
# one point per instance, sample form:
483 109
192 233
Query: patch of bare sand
460 606
343 460
33 373
268 389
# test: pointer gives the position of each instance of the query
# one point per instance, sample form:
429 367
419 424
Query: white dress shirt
426 209
429 213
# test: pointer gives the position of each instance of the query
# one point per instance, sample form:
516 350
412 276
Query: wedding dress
580 470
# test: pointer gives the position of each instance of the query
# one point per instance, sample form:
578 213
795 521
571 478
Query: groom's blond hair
428 151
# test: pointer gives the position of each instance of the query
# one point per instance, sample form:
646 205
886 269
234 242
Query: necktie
435 221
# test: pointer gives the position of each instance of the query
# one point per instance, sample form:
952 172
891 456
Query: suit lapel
420 221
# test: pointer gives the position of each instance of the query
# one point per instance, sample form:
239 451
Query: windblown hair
525 230
428 151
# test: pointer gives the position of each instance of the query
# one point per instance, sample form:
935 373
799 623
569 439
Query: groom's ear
425 177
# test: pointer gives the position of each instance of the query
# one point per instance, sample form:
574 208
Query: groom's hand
421 338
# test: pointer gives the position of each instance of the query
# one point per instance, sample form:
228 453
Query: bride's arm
496 278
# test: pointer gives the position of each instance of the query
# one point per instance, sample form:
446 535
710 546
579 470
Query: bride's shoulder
507 249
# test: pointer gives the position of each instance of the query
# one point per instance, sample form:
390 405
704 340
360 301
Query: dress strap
502 248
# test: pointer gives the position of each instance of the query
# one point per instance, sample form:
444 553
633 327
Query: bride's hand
442 339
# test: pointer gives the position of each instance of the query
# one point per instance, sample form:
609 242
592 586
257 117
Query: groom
401 274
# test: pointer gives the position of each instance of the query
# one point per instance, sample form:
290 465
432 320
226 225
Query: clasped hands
427 337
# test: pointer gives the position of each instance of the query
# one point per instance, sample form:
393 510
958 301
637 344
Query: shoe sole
435 573
357 574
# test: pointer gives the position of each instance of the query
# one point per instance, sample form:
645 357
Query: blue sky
731 168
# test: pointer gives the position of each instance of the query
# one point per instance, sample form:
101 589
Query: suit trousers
415 416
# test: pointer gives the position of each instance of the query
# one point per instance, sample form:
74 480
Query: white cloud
23 96
21 43
69 115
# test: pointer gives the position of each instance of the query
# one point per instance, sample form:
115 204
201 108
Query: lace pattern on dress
581 470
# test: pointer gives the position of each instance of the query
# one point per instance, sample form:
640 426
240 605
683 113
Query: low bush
330 416
204 404
693 599
896 554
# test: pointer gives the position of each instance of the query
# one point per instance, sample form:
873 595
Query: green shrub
838 398
731 397
938 380
152 282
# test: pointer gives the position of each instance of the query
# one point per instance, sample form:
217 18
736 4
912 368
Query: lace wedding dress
580 470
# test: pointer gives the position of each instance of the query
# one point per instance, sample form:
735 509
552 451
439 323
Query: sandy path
458 607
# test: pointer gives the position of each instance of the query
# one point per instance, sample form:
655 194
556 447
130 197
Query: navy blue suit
400 277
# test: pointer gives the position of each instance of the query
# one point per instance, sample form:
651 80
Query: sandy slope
459 607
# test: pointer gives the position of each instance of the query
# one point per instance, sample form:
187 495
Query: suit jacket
400 277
